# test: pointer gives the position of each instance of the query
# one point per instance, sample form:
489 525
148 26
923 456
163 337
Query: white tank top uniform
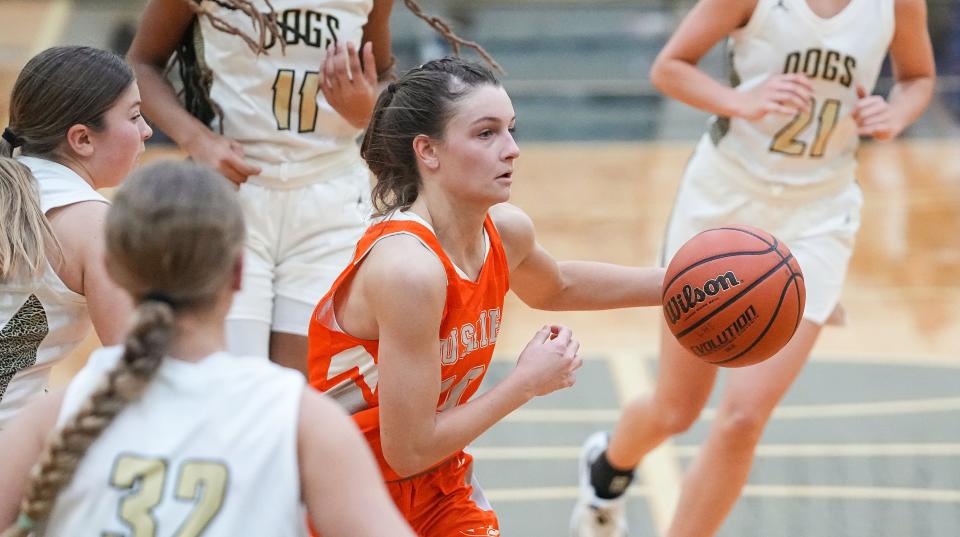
271 103
209 449
42 319
306 209
793 176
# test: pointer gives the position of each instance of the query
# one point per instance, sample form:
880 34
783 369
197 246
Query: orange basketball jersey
345 367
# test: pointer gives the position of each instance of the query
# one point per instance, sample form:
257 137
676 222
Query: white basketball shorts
818 222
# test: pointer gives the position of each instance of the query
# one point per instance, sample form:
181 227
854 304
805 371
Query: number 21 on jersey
786 142
283 99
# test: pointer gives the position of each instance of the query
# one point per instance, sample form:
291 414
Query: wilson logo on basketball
690 296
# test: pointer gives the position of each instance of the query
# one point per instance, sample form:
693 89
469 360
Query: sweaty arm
405 287
544 283
21 445
80 230
348 497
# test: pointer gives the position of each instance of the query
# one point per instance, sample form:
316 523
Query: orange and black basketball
733 296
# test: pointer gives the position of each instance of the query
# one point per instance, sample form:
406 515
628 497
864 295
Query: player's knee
742 425
676 419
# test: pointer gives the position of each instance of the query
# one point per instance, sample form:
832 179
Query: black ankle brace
609 482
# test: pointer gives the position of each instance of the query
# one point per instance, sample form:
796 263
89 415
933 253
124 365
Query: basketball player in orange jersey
780 155
405 335
274 97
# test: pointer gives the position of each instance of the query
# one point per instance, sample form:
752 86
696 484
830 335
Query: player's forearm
909 98
589 285
418 449
162 107
688 84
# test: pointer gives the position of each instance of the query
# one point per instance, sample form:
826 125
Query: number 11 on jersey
307 94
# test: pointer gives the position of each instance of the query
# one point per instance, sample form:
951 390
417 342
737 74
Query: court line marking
502 495
837 410
659 469
535 453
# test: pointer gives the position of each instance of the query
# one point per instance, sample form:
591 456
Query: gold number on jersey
204 482
452 393
785 141
146 477
283 99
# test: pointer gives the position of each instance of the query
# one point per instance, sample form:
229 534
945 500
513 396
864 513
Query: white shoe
593 516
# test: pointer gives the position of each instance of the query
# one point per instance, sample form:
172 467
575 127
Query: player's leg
322 223
714 480
249 319
684 383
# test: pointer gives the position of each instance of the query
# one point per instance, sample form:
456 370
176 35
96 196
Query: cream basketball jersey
41 319
271 103
209 449
837 55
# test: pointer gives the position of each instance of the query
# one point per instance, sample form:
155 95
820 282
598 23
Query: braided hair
173 234
197 77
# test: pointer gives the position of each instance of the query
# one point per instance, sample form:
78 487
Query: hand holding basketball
733 296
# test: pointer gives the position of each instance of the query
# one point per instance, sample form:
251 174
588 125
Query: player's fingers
340 66
541 336
861 91
801 81
369 64
577 363
352 62
238 163
792 100
328 67
777 108
572 348
563 337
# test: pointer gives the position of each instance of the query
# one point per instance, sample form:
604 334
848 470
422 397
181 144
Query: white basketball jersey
271 103
41 319
210 449
837 55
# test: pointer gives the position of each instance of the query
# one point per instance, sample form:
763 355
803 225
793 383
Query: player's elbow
659 72
404 460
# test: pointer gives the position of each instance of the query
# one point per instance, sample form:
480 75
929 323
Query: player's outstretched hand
784 94
549 361
351 89
874 117
224 155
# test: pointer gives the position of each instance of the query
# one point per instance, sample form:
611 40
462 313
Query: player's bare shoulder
516 231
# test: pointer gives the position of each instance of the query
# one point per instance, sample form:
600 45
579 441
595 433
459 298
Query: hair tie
159 296
12 138
392 88
23 521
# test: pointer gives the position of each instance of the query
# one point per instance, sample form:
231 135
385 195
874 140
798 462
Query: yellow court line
535 453
752 491
659 469
839 410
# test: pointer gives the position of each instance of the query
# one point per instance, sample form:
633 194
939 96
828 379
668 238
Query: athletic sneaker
593 516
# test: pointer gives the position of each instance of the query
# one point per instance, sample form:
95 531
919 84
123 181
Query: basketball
733 295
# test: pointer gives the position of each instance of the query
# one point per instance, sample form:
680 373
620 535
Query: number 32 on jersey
283 102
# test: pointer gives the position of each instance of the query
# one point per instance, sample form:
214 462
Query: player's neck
198 336
827 8
459 229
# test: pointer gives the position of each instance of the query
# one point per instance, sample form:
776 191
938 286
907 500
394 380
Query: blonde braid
144 349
